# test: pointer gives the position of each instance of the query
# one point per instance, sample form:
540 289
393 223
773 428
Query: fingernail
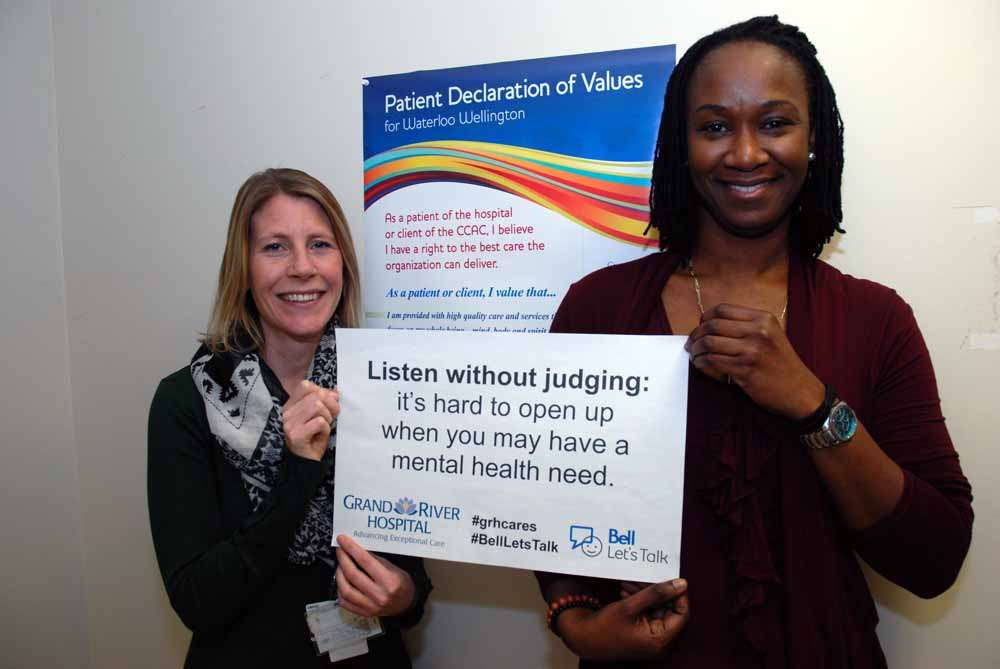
680 583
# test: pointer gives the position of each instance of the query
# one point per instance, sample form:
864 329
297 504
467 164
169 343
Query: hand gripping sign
556 452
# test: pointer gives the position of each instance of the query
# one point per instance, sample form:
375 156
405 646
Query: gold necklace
697 293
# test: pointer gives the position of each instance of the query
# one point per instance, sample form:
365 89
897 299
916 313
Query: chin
755 228
303 330
312 330
753 231
744 222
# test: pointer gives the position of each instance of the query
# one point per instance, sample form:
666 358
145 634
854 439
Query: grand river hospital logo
583 537
405 506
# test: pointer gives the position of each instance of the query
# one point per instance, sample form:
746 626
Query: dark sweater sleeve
422 586
212 576
920 545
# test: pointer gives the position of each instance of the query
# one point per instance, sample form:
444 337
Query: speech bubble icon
580 535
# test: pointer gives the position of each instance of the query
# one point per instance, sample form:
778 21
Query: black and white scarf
245 420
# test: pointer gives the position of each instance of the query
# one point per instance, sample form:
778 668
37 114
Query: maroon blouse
773 580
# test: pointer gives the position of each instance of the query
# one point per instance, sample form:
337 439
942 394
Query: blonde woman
241 442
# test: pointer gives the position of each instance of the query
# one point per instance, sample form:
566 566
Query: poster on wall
489 189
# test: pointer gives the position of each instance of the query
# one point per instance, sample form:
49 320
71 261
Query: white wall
164 108
42 614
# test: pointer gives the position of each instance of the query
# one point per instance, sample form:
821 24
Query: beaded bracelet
567 602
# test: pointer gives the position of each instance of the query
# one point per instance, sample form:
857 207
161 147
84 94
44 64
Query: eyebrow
283 235
770 104
254 239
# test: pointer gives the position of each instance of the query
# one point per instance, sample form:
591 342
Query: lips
747 189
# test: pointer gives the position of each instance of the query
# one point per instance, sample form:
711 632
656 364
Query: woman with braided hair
814 424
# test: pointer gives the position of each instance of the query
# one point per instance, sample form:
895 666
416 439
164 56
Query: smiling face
748 137
296 270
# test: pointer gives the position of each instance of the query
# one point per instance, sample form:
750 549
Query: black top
225 567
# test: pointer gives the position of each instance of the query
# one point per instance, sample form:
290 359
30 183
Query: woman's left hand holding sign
749 346
370 585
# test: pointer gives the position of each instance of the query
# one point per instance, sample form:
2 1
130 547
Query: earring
812 156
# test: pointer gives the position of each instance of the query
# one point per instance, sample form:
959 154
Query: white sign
556 452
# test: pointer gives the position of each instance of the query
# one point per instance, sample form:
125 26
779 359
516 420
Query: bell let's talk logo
621 545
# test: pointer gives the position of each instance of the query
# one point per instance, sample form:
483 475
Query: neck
721 254
288 359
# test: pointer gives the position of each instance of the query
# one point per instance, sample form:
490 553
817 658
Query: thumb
654 596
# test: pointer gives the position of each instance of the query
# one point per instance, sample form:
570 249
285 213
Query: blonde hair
234 324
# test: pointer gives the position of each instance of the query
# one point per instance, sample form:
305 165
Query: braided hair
671 209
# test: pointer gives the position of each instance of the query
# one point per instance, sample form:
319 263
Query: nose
746 152
301 264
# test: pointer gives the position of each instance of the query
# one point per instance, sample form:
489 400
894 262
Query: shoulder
611 295
176 388
611 280
869 302
876 322
179 381
177 404
828 277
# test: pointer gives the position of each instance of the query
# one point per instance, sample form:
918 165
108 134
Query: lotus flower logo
405 507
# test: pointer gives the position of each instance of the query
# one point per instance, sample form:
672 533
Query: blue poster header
601 106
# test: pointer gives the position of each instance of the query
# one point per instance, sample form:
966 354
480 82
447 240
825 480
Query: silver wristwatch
838 428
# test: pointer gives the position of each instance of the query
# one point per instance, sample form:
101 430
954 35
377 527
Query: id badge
338 632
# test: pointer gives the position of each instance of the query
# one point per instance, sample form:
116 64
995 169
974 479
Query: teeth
746 189
300 297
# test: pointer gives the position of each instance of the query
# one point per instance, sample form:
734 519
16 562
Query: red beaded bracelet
567 602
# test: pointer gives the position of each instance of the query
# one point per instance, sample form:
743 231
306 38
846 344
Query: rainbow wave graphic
609 198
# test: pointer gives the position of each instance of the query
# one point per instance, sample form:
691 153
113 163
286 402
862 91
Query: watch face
843 422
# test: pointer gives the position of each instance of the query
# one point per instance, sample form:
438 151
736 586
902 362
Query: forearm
864 482
866 485
568 624
922 544
912 532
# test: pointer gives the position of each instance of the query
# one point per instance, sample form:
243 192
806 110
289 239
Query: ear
812 139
